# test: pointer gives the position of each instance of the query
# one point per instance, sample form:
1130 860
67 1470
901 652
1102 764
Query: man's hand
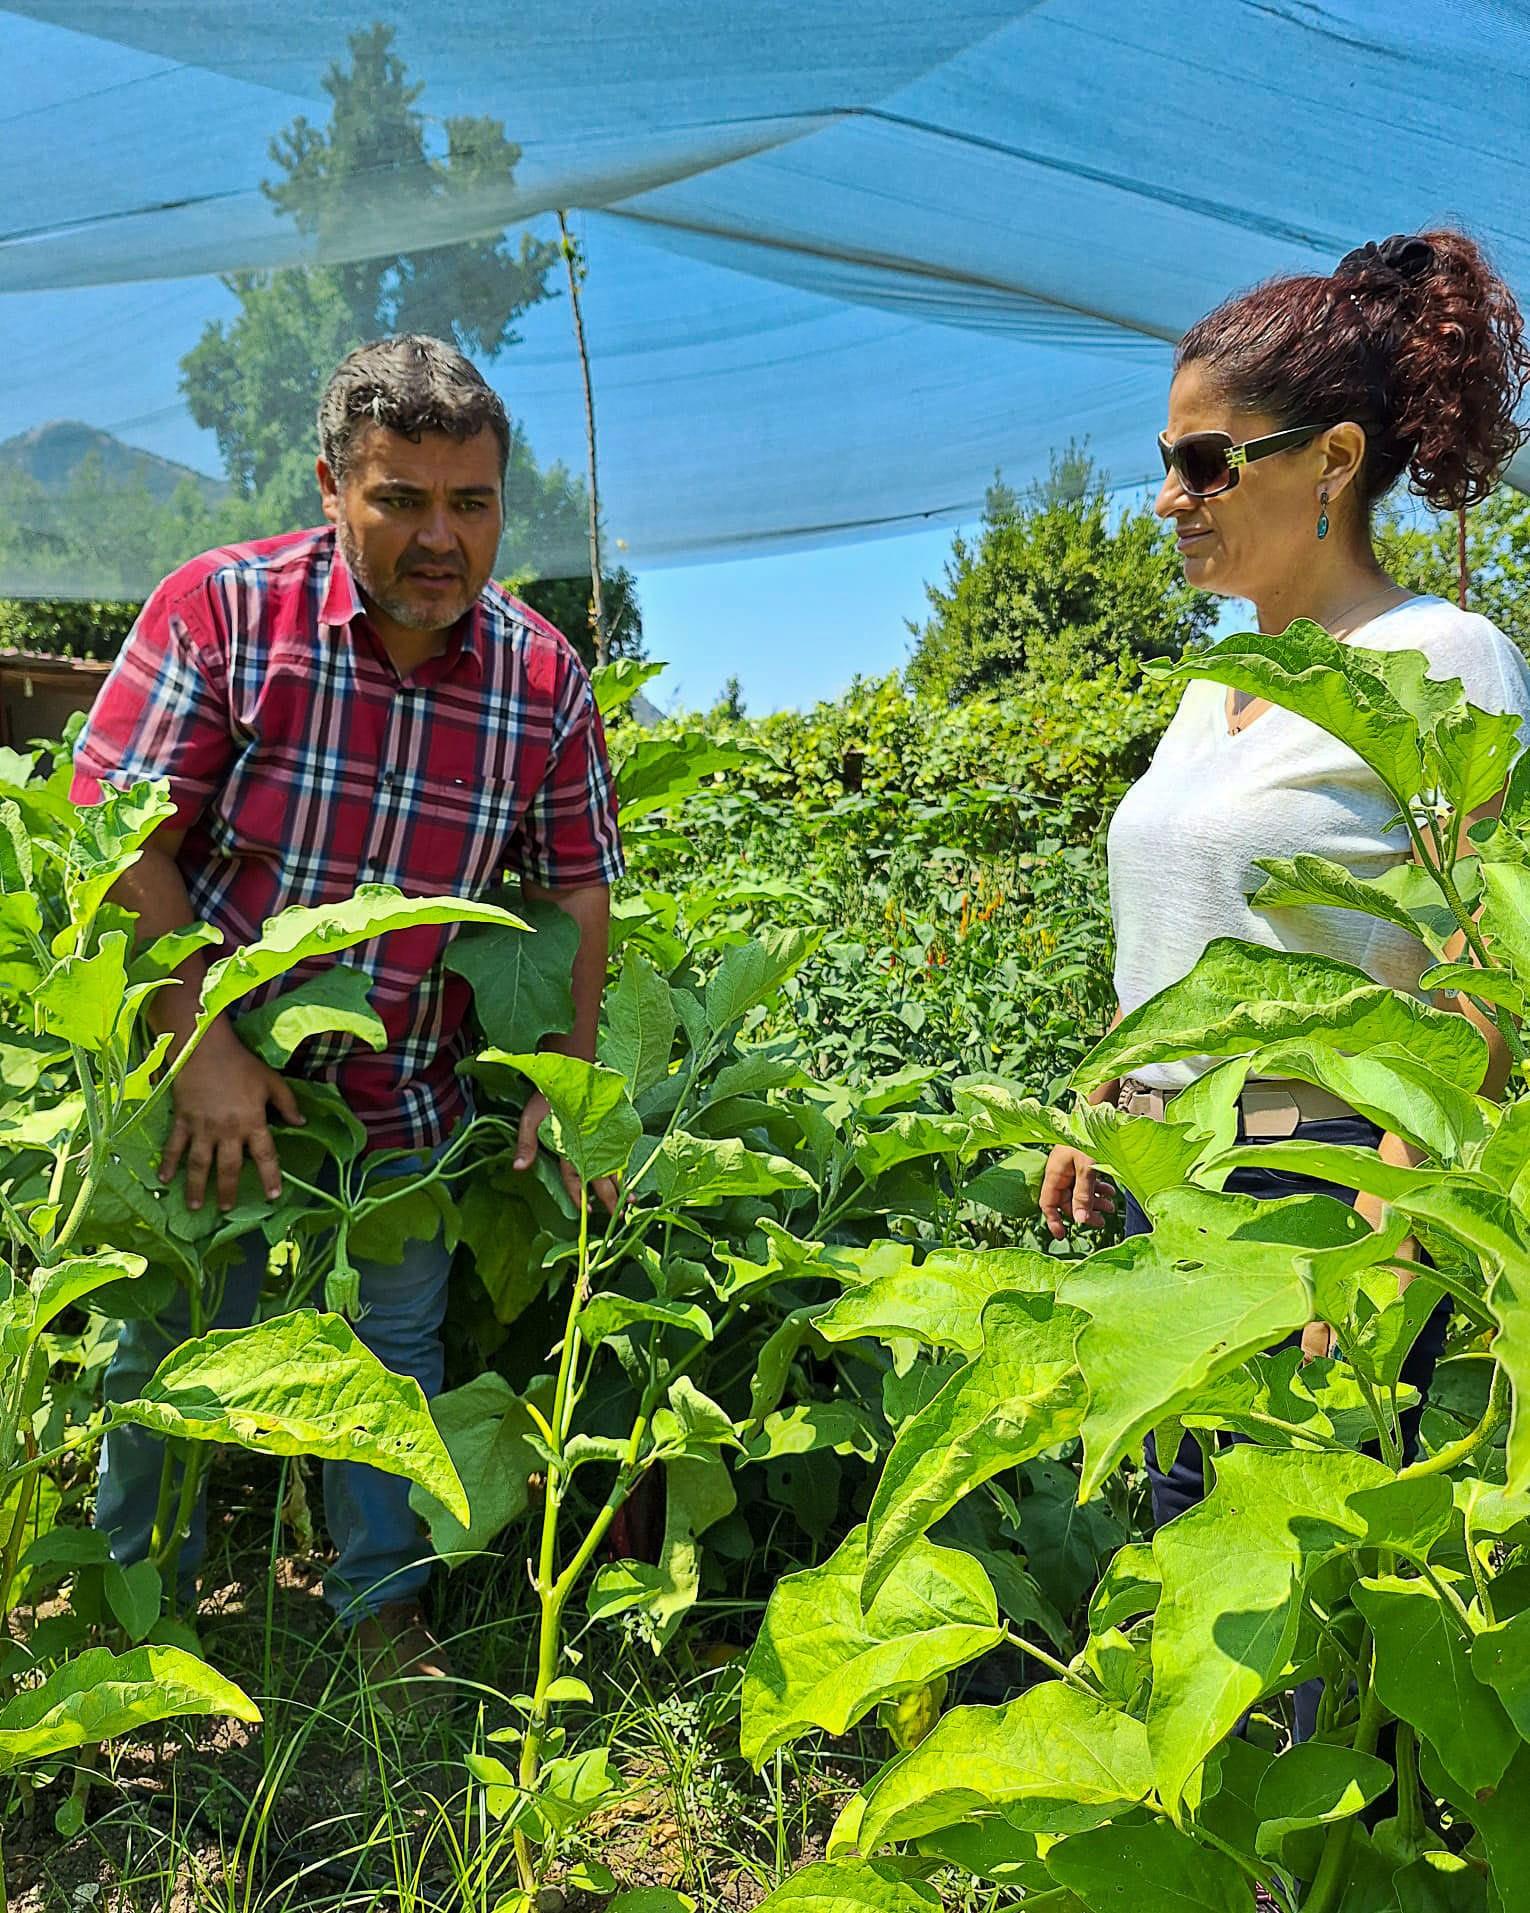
221 1098
533 1116
1073 1192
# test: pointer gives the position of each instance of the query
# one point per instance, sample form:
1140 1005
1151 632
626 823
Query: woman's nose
1172 496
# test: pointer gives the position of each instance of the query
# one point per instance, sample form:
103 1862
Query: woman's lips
1187 539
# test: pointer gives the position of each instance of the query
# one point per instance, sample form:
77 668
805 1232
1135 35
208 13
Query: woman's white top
1183 842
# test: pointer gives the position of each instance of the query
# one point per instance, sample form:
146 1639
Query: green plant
1320 1552
91 1083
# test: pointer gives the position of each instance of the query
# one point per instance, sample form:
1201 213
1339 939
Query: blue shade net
844 259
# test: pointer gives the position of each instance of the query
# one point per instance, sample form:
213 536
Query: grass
332 1805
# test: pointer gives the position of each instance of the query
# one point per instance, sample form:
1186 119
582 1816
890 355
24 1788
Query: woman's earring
1323 520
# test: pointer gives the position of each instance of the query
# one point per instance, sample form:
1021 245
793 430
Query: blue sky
794 627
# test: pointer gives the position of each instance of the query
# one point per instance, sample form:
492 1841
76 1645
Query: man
356 703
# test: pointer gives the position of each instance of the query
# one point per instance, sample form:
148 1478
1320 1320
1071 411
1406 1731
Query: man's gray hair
411 384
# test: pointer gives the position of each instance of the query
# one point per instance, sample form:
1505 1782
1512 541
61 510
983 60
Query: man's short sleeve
567 835
162 712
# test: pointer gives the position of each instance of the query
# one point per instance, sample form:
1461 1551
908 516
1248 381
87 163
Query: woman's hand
1074 1193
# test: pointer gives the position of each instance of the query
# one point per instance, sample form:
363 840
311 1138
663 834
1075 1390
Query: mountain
54 452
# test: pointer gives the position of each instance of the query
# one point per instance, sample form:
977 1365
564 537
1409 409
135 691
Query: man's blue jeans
383 1553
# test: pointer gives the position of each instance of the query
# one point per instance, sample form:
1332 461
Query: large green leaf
53 1289
99 1695
750 974
1392 1087
698 1493
108 840
1405 896
694 1172
80 998
301 1384
1020 1394
820 1661
940 1302
658 771
1312 1785
1223 1270
618 682
1054 1761
594 1125
912 1137
851 1886
304 932
1232 1570
1424 1675
336 1000
1242 997
1151 1869
1505 916
1144 1155
1500 1816
15 851
640 1025
487 1430
1500 1658
521 984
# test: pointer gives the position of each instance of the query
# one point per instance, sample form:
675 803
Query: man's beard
410 613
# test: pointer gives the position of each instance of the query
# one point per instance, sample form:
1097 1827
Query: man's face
418 524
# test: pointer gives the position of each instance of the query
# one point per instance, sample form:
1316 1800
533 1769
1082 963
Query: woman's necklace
1243 706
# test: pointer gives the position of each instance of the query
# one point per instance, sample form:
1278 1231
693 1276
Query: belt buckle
1269 1115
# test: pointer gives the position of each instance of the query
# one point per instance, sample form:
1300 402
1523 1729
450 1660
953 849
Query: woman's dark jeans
1182 1484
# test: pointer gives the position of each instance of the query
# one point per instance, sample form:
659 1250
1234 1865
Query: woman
1294 410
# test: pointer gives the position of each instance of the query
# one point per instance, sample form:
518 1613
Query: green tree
1425 557
255 381
1058 584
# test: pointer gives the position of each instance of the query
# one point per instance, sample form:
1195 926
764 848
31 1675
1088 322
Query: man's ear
329 491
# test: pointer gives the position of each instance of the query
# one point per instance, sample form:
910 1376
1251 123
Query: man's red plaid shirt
301 764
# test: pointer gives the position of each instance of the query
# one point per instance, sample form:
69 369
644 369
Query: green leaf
1242 997
751 973
1054 1761
521 983
594 1125
166 954
1011 1187
911 1137
15 851
334 1001
416 1212
848 1886
844 1428
1151 1869
107 841
100 1695
1221 1268
1021 1394
1505 918
303 932
608 1312
1392 1088
699 1492
1500 1658
652 1899
658 771
134 1595
694 1172
568 1791
1144 1155
1424 1675
487 1430
990 1849
80 998
940 1303
820 1661
618 682
1233 1569
1313 1784
641 1020
693 1422
1500 1817
65 1283
568 1687
300 1384
1405 896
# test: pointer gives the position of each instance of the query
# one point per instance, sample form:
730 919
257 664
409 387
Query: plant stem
1333 1869
1494 1417
572 261
1050 1661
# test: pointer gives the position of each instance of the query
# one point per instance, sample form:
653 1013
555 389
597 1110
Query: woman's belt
1270 1106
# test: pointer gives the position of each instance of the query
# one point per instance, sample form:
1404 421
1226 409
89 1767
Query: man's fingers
175 1148
607 1193
268 1167
1083 1193
526 1137
286 1102
230 1162
570 1177
198 1162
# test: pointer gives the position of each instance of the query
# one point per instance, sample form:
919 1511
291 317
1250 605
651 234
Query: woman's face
1252 541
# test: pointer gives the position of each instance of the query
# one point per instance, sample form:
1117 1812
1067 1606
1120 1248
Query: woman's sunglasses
1208 463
